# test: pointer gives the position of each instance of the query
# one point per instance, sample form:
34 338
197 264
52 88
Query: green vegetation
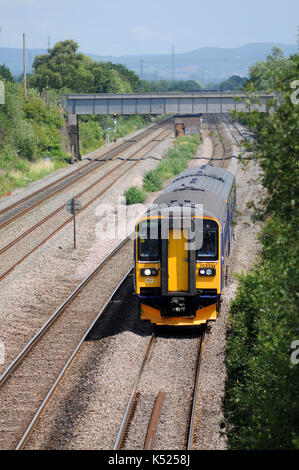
135 195
175 162
66 70
170 86
92 129
267 76
261 402
263 76
235 82
29 131
5 73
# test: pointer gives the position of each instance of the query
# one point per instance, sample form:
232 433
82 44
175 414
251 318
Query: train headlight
207 272
149 272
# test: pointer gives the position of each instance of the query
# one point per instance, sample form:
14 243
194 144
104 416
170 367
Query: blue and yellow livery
182 246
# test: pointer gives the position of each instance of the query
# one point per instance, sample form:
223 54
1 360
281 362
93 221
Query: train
182 245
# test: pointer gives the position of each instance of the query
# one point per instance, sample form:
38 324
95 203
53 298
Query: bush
261 404
90 134
152 181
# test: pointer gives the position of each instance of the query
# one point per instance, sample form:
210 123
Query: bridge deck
166 103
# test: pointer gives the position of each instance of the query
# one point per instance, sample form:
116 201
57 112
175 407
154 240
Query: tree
62 67
128 76
276 148
106 79
164 86
235 82
261 402
265 76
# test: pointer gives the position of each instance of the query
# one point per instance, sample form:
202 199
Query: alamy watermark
294 99
185 220
2 352
295 354
2 93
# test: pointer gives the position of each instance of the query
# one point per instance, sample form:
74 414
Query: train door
178 261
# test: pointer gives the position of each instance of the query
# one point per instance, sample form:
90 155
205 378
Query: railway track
220 137
149 428
237 134
220 150
19 208
229 123
17 250
29 382
17 434
140 423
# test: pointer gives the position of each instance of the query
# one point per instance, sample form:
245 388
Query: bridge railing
166 103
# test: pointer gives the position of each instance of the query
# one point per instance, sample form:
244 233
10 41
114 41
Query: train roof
204 185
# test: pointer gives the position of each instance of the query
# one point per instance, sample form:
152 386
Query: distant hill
13 58
205 64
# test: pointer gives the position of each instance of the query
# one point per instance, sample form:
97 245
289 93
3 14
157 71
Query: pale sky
119 27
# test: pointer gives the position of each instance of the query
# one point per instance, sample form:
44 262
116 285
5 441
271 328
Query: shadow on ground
123 315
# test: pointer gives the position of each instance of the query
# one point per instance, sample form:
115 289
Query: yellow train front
182 246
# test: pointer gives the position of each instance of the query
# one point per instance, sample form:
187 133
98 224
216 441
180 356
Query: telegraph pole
173 64
24 64
141 69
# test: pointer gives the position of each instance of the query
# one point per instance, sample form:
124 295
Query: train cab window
209 248
149 241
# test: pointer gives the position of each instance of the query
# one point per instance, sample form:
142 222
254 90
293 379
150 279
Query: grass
29 131
24 172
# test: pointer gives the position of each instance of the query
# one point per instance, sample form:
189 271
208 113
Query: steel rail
210 118
70 218
125 420
120 147
231 122
212 138
221 139
195 394
231 133
20 201
45 219
17 361
153 424
50 393
211 133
